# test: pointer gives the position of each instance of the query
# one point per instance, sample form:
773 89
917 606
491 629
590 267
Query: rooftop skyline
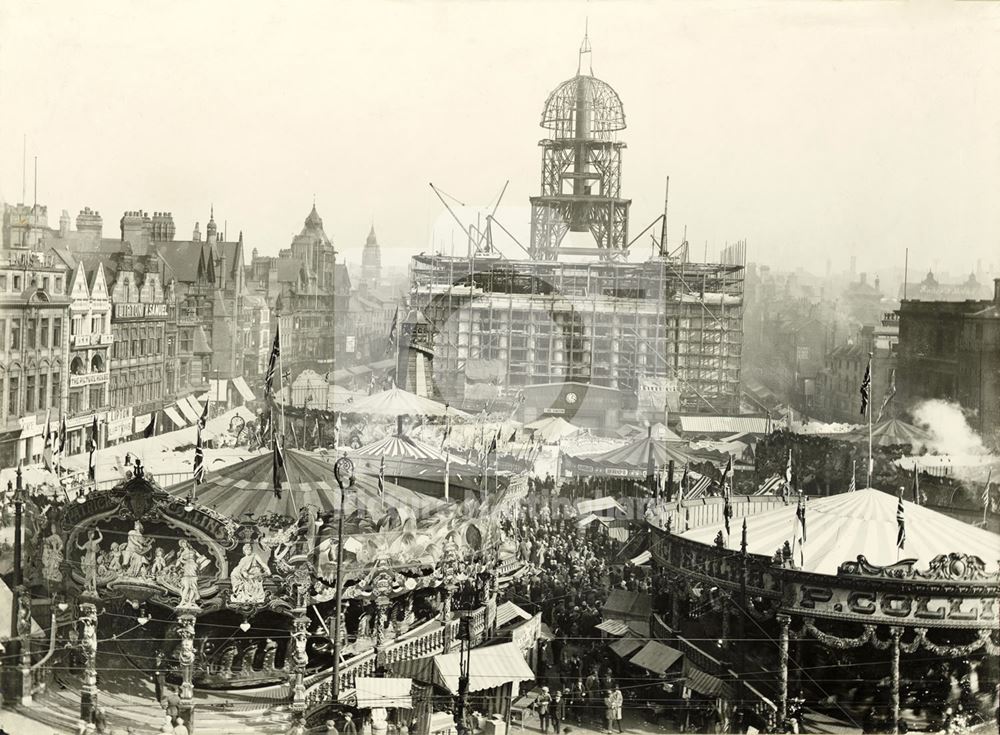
813 132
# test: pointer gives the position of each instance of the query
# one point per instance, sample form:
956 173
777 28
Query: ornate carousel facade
850 583
235 582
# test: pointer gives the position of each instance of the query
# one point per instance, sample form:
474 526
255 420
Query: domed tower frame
581 172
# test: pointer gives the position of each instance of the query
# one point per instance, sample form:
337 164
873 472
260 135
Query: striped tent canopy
891 433
408 457
401 446
631 460
552 428
307 480
841 527
398 402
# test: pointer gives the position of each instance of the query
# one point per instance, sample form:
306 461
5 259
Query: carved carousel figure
135 554
88 564
52 557
188 561
248 577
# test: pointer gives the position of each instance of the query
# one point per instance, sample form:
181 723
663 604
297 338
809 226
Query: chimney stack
996 291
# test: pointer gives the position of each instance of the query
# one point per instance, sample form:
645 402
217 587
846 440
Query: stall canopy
625 605
174 415
388 692
632 460
656 657
307 480
508 611
489 667
863 523
614 627
891 433
625 647
398 402
189 413
705 684
240 383
552 428
596 506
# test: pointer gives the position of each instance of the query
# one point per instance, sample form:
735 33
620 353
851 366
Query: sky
812 130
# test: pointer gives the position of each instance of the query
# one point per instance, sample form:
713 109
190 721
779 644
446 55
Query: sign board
140 311
656 394
351 343
78 381
525 635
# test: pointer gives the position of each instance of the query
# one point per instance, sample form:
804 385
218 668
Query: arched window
97 364
76 367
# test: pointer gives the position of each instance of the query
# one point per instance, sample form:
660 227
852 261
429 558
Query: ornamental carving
953 567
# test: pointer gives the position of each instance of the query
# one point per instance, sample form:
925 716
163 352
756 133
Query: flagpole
871 392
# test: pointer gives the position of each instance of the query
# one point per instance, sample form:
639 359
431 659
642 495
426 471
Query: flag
381 477
727 478
800 539
392 331
272 364
62 435
685 479
199 460
513 436
889 393
150 429
203 419
986 494
788 469
47 450
900 524
493 444
727 512
916 484
336 431
92 448
854 482
277 464
371 384
315 431
447 427
687 519
866 384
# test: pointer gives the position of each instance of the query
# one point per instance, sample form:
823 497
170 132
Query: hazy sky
812 130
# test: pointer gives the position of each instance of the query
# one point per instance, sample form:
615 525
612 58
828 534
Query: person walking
542 707
349 728
609 712
617 701
557 712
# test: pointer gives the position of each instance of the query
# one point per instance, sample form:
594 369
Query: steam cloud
950 432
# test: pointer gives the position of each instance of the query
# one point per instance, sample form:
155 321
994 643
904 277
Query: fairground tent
891 433
552 428
398 402
841 527
632 460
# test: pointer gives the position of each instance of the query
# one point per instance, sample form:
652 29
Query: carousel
236 580
860 604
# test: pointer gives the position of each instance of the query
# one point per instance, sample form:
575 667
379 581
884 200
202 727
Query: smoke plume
950 432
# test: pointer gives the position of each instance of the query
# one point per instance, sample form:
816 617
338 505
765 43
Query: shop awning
189 413
625 647
388 692
643 558
595 506
175 417
218 390
489 667
702 682
139 423
508 612
627 605
656 657
240 383
195 403
614 627
586 520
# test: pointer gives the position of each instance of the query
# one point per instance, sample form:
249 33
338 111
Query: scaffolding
604 323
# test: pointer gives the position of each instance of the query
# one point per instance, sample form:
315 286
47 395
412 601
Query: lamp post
343 472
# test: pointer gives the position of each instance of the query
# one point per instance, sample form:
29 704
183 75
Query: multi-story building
304 288
951 350
576 313
930 289
371 263
34 350
839 395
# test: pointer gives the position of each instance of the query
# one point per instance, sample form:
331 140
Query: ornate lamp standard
343 472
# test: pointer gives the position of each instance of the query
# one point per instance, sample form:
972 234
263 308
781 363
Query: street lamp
343 472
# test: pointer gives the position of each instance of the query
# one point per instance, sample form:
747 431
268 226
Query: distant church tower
371 262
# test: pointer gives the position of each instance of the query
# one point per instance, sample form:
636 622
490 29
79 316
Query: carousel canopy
401 446
891 433
306 480
633 457
552 428
398 402
841 527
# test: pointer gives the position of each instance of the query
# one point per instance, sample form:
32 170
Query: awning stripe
242 388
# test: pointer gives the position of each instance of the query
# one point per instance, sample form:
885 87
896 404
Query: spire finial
585 49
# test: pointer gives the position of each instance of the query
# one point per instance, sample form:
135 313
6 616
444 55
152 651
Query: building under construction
576 330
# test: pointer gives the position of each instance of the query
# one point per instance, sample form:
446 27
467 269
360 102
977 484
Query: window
75 401
15 333
43 391
187 341
96 396
44 332
30 393
45 283
13 402
3 334
17 283
30 333
57 331
74 326
3 283
58 286
171 347
95 325
56 389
